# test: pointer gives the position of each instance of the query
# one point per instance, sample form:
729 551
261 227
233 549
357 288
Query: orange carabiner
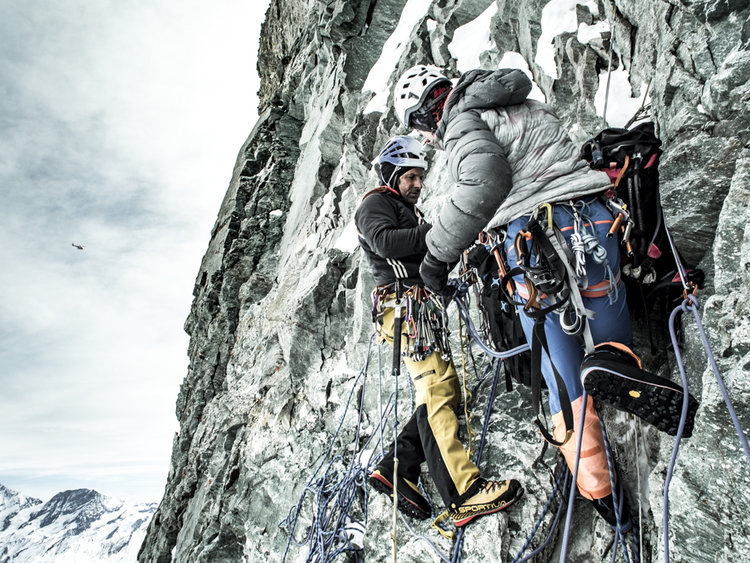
694 292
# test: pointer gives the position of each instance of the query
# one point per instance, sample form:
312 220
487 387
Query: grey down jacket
507 155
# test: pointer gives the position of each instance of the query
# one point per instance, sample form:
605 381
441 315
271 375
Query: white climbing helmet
403 151
412 89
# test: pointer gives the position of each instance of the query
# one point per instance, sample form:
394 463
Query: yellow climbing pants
438 396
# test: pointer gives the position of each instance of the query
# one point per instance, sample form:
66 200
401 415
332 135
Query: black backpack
630 157
501 317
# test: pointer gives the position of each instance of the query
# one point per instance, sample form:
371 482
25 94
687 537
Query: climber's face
429 135
410 184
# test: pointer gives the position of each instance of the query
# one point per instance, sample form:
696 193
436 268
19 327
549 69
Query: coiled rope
331 529
325 543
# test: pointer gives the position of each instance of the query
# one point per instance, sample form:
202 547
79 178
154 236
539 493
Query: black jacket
392 234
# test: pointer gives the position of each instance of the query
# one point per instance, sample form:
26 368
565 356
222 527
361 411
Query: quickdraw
425 318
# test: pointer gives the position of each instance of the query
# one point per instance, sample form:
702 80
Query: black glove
434 274
477 256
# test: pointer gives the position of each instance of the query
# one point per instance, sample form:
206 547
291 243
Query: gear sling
422 343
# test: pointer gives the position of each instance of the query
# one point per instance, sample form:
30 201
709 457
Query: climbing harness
425 319
549 268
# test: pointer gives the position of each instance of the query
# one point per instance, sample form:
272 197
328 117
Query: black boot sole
656 400
404 504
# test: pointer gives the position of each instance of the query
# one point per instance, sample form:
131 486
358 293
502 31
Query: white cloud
121 125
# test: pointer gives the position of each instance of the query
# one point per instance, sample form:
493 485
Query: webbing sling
551 277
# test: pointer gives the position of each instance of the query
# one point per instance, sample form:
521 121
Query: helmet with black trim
403 151
416 103
400 153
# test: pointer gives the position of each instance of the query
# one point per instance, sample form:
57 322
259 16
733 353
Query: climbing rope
329 521
565 478
636 438
571 495
467 395
616 501
331 530
458 546
691 304
486 348
644 108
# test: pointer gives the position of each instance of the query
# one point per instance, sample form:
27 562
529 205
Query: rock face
78 525
280 322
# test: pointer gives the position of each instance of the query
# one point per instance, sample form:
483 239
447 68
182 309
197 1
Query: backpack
630 157
500 316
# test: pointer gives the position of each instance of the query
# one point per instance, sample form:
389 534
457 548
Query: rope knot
592 246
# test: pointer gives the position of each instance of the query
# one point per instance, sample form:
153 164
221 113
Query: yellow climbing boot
492 496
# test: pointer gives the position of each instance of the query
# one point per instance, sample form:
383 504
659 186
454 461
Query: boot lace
490 486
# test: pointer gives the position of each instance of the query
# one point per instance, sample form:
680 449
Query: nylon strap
551 246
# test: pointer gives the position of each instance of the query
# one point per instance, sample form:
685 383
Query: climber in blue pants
509 157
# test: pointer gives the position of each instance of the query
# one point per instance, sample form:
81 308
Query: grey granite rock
280 322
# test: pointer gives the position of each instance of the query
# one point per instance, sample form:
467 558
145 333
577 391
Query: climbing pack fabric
500 317
630 157
612 375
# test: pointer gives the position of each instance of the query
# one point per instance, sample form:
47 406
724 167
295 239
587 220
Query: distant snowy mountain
73 526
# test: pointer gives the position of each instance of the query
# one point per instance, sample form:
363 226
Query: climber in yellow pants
437 398
392 233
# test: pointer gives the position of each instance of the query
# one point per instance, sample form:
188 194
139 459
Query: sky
120 123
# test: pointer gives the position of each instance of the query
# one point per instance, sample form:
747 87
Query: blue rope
692 304
317 485
615 500
458 546
333 499
475 335
572 494
565 477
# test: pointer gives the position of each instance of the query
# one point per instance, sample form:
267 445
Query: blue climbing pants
604 294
